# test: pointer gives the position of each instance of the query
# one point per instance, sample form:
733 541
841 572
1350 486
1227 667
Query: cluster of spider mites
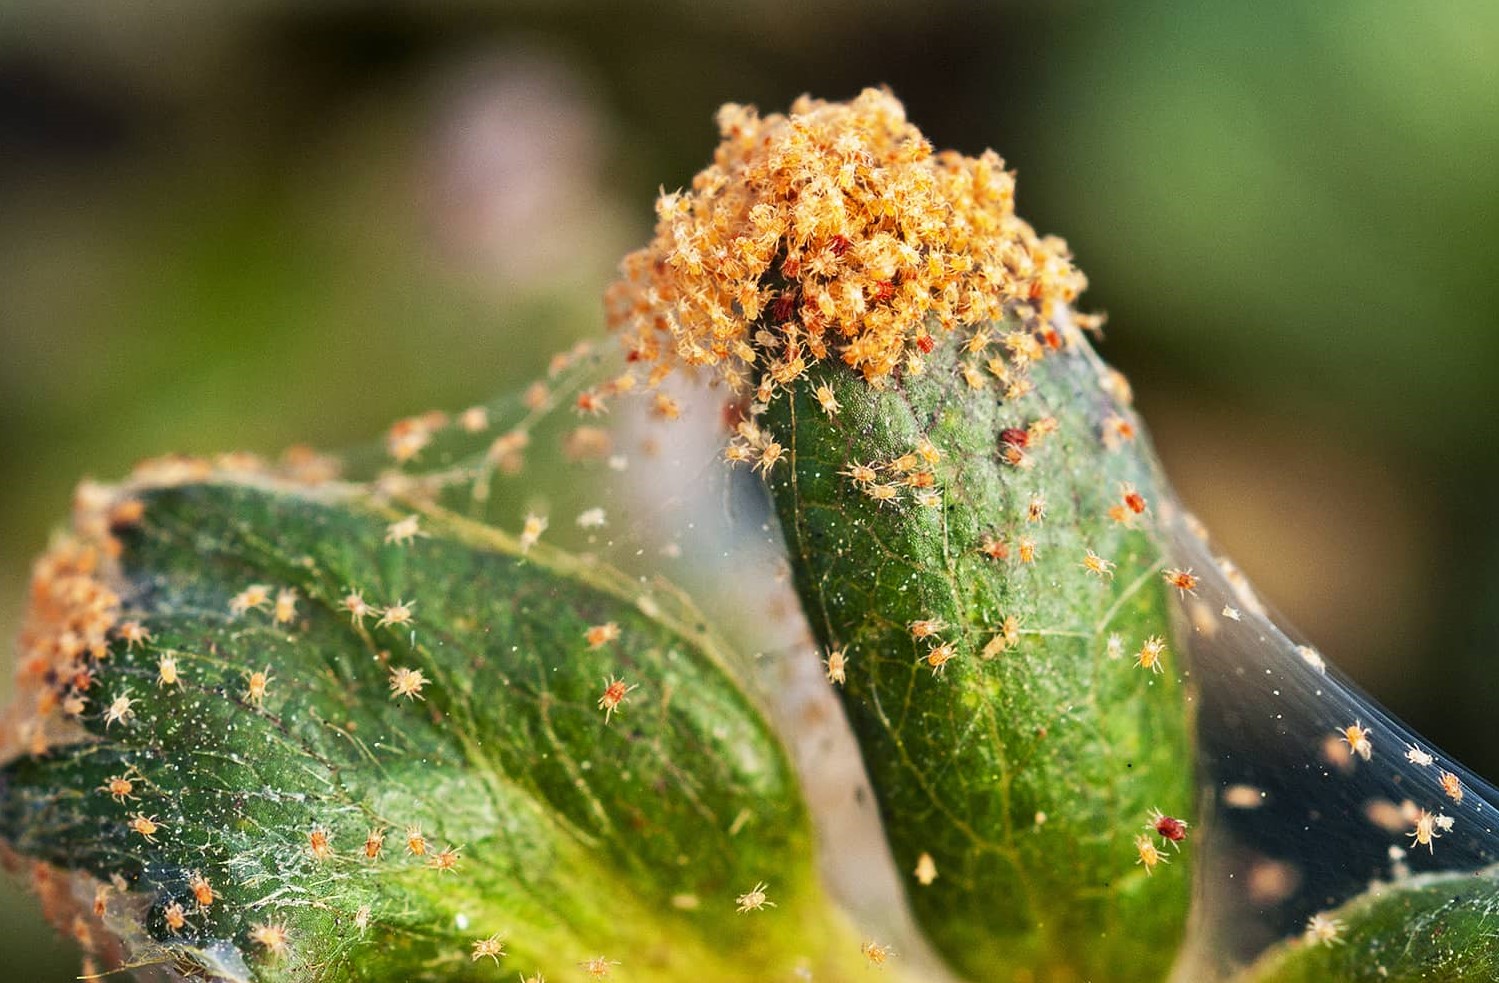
833 231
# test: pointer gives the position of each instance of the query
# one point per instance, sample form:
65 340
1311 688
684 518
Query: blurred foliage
224 221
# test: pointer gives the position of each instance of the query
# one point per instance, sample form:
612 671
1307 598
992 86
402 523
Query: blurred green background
253 223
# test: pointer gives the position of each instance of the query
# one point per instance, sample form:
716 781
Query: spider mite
357 607
615 693
1042 428
445 861
119 787
319 845
926 870
408 683
252 598
1168 828
1425 832
939 657
1149 656
1183 580
285 610
994 547
878 953
1452 785
1416 756
256 684
770 455
590 403
666 408
1035 511
599 967
1116 431
1095 564
1017 437
202 890
836 665
270 936
1149 855
492 947
147 827
600 635
166 671
864 474
926 627
133 634
1322 930
1356 736
404 531
753 900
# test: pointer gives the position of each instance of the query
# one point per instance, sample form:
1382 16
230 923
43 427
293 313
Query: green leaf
1429 927
576 835
1026 772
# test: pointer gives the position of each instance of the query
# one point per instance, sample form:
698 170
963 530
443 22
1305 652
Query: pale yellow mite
490 948
1323 930
398 614
257 684
407 682
403 532
599 967
252 598
753 900
836 666
1356 736
271 937
1150 654
1097 565
531 531
1149 855
926 870
285 610
1425 834
877 953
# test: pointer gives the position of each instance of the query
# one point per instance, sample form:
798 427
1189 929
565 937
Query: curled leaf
1009 675
314 743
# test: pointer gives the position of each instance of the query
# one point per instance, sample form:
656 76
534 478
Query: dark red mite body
1170 828
1015 437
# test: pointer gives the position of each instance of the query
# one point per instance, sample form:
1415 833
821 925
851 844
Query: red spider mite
785 305
1167 827
734 411
1015 436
